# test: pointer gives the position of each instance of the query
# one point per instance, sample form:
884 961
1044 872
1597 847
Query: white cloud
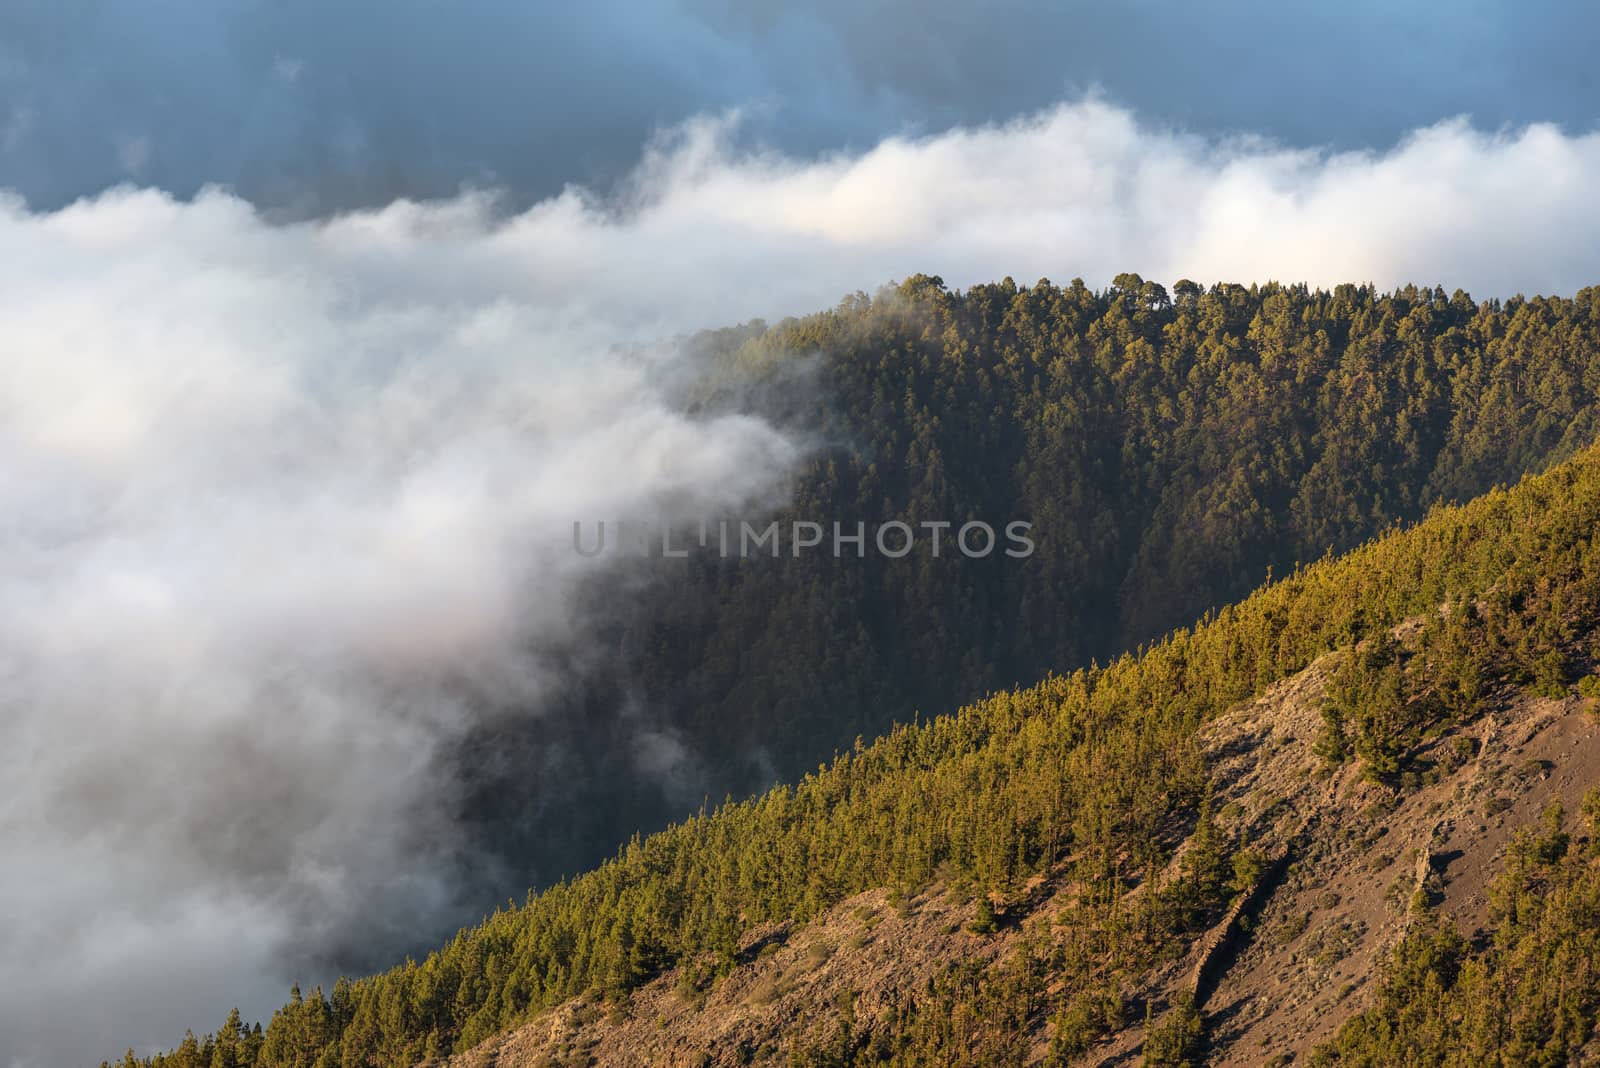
1084 190
276 498
285 511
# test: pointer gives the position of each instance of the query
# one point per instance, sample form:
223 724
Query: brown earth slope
1347 860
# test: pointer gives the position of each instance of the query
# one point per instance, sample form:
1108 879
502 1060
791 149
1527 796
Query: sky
319 324
310 107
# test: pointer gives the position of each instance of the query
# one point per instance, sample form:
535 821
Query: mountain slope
1101 792
1354 856
1170 449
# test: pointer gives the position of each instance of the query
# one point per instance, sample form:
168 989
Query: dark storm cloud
312 107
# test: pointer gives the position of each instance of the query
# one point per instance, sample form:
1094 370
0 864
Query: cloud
314 108
287 513
1084 189
286 507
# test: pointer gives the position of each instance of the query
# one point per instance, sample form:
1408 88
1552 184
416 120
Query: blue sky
311 106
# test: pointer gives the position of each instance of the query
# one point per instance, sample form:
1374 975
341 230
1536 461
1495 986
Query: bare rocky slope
1349 863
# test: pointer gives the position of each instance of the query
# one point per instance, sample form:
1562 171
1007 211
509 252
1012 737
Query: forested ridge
1084 775
1170 448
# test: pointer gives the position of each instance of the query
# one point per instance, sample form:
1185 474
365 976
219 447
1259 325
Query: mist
285 512
288 513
